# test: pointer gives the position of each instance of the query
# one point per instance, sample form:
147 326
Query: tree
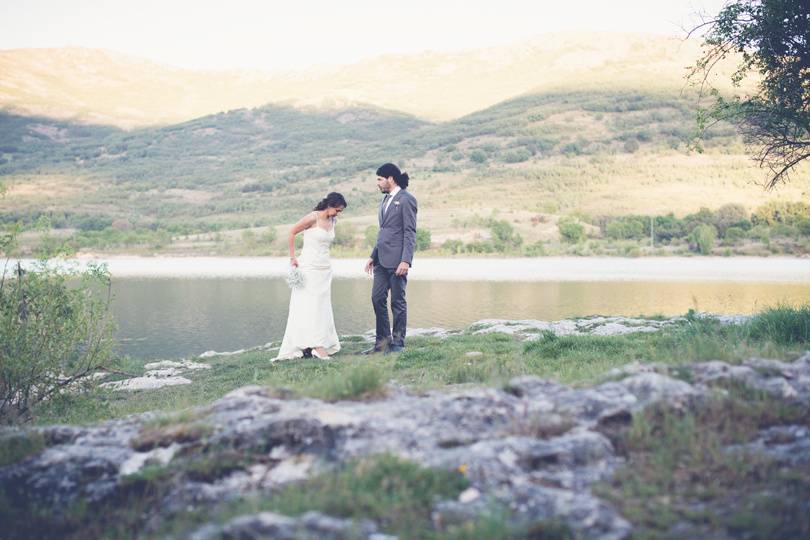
702 238
731 215
772 37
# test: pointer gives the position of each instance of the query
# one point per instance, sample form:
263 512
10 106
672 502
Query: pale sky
273 35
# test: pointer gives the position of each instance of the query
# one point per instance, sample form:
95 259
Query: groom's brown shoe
379 347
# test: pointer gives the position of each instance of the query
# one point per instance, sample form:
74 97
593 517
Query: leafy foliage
55 331
771 36
571 231
702 238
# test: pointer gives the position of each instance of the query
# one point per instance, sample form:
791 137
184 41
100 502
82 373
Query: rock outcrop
534 447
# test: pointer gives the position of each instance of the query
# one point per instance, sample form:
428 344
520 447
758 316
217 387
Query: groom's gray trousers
385 279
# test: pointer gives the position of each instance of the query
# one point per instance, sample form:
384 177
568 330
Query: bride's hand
293 262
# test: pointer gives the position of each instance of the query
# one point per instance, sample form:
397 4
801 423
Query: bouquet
295 278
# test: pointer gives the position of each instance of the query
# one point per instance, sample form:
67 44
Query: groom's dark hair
389 169
333 200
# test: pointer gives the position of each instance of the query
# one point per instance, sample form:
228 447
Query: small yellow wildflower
463 468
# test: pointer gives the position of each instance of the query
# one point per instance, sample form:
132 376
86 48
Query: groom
391 258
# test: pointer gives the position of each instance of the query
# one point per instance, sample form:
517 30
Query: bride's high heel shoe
316 354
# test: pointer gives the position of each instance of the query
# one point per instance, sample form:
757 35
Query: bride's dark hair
333 200
389 169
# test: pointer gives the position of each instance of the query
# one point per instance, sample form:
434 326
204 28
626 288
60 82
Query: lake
173 307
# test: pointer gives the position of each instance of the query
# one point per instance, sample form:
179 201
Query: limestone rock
273 526
534 447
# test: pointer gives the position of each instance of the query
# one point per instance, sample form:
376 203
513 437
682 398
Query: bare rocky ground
534 447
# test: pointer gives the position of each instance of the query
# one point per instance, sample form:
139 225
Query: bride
310 323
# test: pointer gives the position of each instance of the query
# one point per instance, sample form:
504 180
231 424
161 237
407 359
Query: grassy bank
442 363
679 479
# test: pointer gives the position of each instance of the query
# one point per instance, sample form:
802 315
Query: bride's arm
303 224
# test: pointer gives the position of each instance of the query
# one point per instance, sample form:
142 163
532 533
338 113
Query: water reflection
165 318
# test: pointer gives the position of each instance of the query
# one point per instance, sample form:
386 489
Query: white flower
295 278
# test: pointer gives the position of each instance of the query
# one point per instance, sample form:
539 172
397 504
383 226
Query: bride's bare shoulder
306 222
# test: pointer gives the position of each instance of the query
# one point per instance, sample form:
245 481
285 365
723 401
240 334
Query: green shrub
803 226
517 156
571 231
668 228
734 235
704 216
269 236
423 239
504 236
55 333
370 235
731 215
345 235
481 246
780 212
761 233
536 249
453 246
625 228
702 238
783 230
478 156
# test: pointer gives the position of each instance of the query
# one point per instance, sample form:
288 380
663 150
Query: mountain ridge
98 86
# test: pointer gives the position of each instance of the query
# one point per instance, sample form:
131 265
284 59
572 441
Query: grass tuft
550 345
358 383
785 325
17 445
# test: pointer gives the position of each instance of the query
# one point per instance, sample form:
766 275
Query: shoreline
516 269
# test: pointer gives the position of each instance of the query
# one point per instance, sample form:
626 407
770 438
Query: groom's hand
402 269
369 266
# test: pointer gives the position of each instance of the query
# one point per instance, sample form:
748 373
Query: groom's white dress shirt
391 198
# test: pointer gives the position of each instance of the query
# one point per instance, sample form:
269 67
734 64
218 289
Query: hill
194 185
584 126
103 87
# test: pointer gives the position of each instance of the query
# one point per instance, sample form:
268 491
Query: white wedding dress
310 322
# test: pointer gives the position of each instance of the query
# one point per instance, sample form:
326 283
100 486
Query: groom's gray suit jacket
396 240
